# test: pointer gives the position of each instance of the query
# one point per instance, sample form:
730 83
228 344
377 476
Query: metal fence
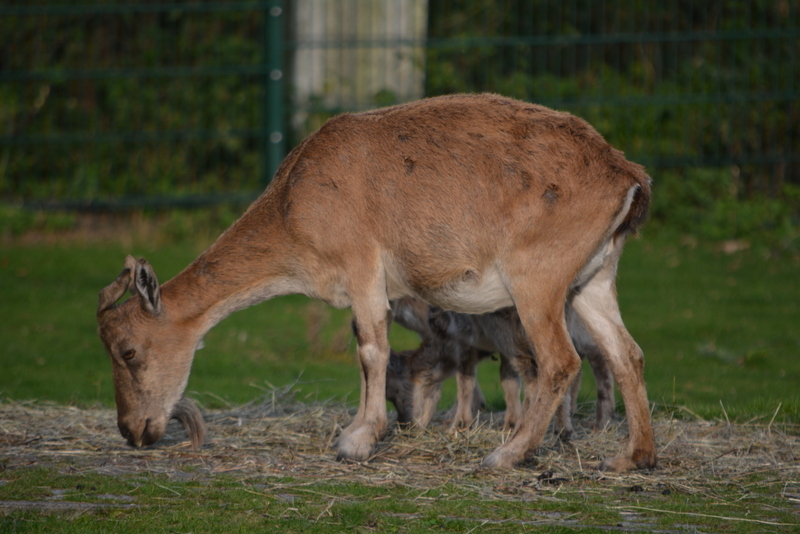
111 104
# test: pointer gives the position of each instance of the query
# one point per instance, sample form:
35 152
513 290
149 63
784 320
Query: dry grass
278 437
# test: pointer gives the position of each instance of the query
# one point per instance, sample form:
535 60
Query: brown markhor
472 203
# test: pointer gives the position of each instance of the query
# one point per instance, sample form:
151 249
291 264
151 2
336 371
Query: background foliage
702 93
106 103
145 101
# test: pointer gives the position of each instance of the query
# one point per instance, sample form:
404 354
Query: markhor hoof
619 464
500 459
357 446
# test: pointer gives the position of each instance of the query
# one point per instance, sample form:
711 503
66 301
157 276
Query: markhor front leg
358 440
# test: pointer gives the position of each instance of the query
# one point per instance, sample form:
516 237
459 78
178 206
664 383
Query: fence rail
112 105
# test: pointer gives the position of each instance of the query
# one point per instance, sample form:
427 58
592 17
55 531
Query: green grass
720 333
152 502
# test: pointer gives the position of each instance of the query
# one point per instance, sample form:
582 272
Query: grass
720 332
247 506
721 341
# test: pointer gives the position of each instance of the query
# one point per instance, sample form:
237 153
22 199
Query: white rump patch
596 261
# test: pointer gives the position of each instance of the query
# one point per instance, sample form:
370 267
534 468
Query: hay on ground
279 438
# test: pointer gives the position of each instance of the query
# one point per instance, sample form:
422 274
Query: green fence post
274 134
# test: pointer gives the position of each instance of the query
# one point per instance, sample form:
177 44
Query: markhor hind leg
596 304
547 379
563 420
509 378
467 389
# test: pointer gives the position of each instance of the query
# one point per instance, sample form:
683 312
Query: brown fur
505 203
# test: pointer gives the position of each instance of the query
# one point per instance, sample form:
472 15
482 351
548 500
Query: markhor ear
114 291
146 285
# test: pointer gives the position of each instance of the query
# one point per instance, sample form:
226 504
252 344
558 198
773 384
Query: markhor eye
128 354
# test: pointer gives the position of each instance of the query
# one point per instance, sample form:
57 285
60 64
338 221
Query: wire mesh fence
106 104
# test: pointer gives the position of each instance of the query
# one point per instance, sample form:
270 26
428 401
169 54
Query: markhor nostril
125 431
146 438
